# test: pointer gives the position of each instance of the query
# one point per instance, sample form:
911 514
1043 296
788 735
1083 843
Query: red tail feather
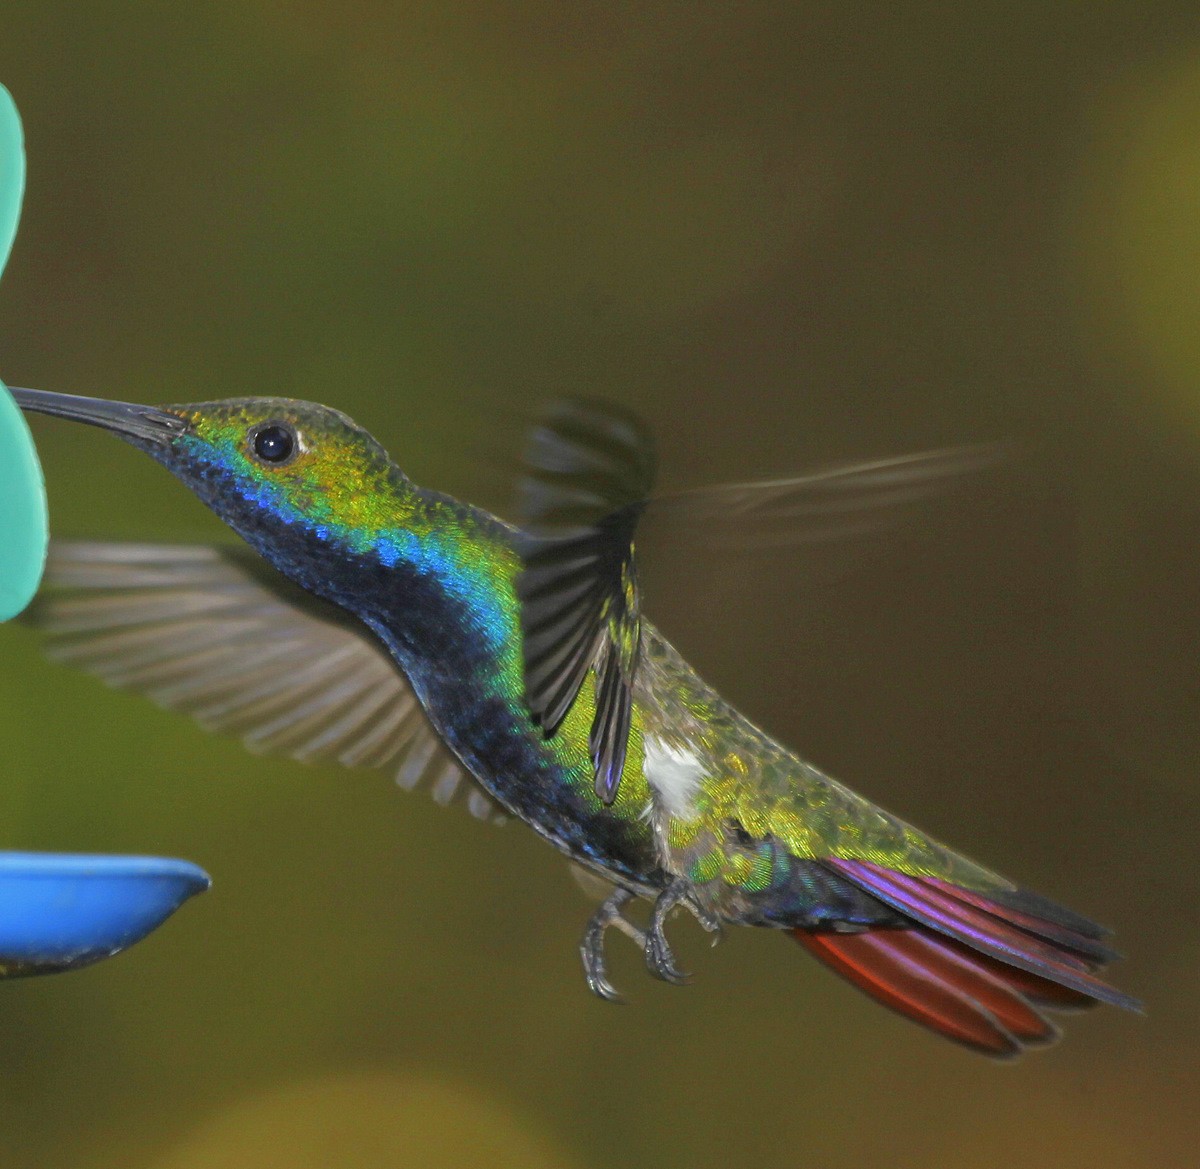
940 984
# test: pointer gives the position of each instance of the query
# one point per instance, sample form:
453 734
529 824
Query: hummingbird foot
660 961
595 967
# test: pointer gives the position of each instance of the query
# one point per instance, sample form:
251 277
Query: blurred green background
787 234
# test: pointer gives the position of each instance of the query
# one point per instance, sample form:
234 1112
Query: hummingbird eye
273 443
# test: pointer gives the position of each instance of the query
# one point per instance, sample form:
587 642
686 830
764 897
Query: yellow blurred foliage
367 1119
1143 229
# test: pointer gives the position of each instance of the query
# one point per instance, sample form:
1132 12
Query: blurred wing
589 469
828 507
220 636
593 886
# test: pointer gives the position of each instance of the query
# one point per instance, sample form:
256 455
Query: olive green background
787 234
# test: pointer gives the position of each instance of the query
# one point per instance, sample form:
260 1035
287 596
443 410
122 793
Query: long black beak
125 418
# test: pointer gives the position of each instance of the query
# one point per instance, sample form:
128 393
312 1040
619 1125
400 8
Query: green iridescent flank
570 749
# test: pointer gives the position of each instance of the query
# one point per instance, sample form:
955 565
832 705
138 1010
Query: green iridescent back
754 784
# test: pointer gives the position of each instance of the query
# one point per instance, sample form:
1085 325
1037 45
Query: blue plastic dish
60 912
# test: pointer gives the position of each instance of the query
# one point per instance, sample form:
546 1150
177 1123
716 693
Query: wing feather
589 468
216 634
830 507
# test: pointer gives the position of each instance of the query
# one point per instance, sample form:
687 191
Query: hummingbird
510 668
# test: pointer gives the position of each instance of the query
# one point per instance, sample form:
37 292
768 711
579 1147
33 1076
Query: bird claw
710 922
598 984
591 950
660 961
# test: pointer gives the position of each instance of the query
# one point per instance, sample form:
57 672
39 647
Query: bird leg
595 968
659 959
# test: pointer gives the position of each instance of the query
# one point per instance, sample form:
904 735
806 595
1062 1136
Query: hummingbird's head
276 470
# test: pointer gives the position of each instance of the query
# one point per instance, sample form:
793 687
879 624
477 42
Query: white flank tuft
675 774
